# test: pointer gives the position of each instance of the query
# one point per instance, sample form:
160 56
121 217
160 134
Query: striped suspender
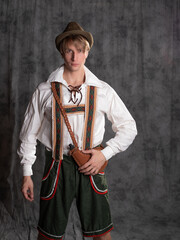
89 117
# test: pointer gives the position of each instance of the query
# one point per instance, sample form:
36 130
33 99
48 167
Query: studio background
136 50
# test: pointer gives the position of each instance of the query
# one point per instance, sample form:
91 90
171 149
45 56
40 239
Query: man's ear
86 53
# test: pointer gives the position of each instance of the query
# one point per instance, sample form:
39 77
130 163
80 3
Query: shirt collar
91 79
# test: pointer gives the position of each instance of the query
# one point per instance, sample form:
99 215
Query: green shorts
61 183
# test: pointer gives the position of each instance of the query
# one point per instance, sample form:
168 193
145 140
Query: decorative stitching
51 235
52 164
98 230
74 109
96 189
51 195
89 118
57 144
99 234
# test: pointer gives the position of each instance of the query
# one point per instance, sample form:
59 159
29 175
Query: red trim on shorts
49 237
48 171
95 188
56 183
99 234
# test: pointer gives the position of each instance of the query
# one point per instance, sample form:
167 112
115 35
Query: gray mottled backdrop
137 52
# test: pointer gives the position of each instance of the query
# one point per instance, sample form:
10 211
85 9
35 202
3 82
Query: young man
86 101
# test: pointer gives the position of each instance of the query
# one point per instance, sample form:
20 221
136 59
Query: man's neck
75 78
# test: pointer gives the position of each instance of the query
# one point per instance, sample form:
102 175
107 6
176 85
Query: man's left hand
94 164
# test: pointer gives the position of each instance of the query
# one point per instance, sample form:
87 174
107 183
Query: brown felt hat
73 28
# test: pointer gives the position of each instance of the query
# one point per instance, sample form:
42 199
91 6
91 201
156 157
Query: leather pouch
82 158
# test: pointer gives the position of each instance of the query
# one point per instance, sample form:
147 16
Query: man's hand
94 164
27 188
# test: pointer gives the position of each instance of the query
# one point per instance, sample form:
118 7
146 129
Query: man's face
74 56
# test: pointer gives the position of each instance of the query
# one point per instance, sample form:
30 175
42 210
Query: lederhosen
62 181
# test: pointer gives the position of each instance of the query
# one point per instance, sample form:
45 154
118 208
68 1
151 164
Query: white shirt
38 120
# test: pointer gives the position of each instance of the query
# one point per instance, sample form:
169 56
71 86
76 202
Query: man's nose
74 56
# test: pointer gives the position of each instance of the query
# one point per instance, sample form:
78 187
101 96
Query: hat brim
86 35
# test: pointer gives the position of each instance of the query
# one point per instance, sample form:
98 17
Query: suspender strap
54 85
57 126
89 117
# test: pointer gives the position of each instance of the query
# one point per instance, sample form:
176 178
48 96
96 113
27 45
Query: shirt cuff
107 152
27 170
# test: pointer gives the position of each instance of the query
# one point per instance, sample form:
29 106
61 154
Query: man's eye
68 51
79 50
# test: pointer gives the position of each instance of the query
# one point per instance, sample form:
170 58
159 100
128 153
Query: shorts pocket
48 169
99 183
50 181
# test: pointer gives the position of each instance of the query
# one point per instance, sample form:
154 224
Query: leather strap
64 114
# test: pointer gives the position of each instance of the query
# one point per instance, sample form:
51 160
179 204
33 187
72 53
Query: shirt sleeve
123 125
28 135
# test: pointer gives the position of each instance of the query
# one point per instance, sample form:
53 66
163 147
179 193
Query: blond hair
77 40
